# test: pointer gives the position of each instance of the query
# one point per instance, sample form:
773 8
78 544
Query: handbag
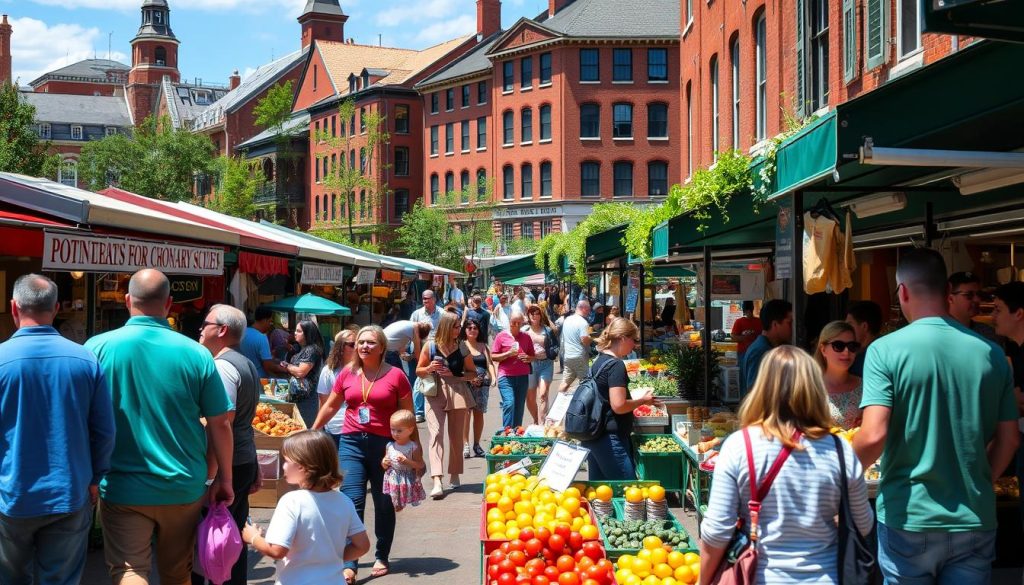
739 565
857 564
428 383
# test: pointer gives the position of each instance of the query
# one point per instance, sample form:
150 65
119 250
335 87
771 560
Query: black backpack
587 414
550 343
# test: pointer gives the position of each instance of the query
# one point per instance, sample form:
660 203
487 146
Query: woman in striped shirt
797 528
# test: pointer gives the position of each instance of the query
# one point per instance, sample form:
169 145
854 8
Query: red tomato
596 574
535 567
507 579
492 571
543 534
606 564
516 545
575 540
569 578
579 555
583 563
551 572
507 566
564 530
526 534
504 547
540 580
565 564
556 543
548 554
518 557
496 557
593 550
533 547
590 582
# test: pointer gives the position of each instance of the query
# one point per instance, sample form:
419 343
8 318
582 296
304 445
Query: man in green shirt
939 409
162 383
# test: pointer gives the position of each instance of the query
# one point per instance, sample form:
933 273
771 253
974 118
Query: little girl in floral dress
404 463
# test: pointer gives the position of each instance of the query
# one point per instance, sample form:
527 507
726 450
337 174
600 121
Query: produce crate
484 565
501 440
274 443
618 505
498 462
665 468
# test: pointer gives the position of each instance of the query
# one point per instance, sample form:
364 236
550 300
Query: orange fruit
656 493
634 495
571 504
641 567
588 532
684 574
603 493
691 558
652 543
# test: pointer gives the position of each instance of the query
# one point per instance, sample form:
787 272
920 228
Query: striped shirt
798 531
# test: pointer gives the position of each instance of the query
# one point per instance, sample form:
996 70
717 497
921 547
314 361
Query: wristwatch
210 481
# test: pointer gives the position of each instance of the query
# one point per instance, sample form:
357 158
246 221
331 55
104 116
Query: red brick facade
5 51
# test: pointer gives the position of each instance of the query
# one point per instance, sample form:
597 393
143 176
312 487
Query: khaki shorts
128 539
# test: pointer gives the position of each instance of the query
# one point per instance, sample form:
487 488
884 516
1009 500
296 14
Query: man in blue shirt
777 324
56 438
256 346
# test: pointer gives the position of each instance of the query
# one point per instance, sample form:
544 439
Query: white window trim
527 143
526 89
109 130
508 145
657 138
598 82
907 64
465 107
543 85
507 91
623 139
481 148
464 151
689 27
546 197
81 132
899 32
434 155
590 138
657 81
629 82
48 133
449 153
544 141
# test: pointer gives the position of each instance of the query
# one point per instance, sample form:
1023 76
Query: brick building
577 105
760 63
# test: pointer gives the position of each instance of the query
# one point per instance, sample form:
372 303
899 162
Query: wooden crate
268 495
274 443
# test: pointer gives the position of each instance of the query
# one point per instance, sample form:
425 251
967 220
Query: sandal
380 568
350 576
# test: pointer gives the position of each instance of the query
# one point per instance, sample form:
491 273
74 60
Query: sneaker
455 483
420 418
438 492
465 451
479 451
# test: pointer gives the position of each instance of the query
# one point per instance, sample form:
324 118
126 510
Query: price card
562 464
638 392
520 467
557 411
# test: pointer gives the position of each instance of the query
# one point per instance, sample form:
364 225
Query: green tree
274 109
469 213
21 151
238 182
340 237
158 161
426 234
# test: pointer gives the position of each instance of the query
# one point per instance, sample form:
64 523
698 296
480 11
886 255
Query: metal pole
643 327
706 332
795 288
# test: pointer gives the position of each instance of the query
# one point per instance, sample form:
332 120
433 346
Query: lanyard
366 390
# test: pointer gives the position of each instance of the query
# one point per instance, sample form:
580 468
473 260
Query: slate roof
474 61
615 18
94 70
322 7
79 109
185 101
264 76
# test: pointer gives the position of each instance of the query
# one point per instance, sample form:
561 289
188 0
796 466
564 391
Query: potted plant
691 372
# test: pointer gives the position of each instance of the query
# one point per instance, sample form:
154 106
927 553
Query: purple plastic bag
219 544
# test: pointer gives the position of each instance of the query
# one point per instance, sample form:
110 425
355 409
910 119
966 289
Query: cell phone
739 543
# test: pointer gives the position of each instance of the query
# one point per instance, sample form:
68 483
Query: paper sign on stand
562 465
557 411
521 467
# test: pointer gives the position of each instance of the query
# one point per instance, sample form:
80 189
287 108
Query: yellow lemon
644 554
524 520
641 567
588 532
511 524
685 575
621 575
563 516
625 562
633 580
570 504
577 524
491 478
572 492
651 580
662 570
604 493
493 527
691 558
492 498
505 504
591 494
510 515
523 508
495 515
652 542
669 581
695 567
659 556
512 533
676 559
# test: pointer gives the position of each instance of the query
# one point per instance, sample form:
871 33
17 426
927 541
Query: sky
221 36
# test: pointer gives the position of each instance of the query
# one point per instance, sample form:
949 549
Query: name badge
364 414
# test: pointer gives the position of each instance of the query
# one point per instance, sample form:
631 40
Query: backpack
587 414
550 344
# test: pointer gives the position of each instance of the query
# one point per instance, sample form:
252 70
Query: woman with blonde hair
835 352
609 457
785 421
451 364
545 345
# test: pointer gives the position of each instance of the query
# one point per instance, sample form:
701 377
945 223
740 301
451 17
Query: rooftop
79 109
90 70
615 18
472 62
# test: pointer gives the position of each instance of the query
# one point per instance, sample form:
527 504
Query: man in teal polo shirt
162 382
940 411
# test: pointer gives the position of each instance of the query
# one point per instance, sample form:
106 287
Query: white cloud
427 9
37 48
447 29
292 7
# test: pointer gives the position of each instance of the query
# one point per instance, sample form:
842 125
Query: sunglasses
207 324
839 346
349 343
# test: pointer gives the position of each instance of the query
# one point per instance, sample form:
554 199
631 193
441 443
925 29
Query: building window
464 186
545 122
657 64
433 140
110 131
526 123
401 119
545 179
657 120
819 54
590 179
657 178
466 96
362 205
590 65
401 203
362 120
714 107
401 161
526 180
449 138
464 137
362 160
481 133
449 99
545 228
526 230
622 65
481 184
449 184
689 132
507 231
316 208
352 125
545 68
590 121
689 12
761 97
735 58
909 27
76 133
508 127
434 103
160 55
324 170
352 159
481 93
876 33
622 121
334 163
433 189
68 172
44 131
508 180
334 125
508 76
849 40
623 172
526 72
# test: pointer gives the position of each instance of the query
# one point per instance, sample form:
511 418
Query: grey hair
517 314
35 293
583 304
231 318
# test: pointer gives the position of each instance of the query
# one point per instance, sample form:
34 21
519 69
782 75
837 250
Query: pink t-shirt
512 366
382 400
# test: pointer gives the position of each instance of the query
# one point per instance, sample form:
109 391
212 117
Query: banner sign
783 244
186 288
68 252
633 292
366 275
322 274
390 276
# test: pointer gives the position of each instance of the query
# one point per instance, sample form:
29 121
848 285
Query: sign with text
186 288
67 252
366 276
784 243
633 292
507 212
557 411
322 274
562 465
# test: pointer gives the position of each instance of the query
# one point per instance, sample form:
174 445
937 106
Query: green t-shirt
948 387
162 383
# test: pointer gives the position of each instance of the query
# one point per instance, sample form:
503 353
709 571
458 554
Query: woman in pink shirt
513 351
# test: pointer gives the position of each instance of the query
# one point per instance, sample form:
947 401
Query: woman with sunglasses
475 343
340 356
837 349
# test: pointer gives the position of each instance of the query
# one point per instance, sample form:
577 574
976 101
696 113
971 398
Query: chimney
5 51
488 17
555 5
235 79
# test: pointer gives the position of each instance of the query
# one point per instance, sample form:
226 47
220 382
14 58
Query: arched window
761 76
508 183
508 127
657 120
160 54
481 183
713 75
734 53
526 178
545 122
464 186
449 183
434 186
526 122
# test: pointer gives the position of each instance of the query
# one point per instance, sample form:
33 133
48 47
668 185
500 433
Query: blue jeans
51 548
513 399
609 458
943 558
360 455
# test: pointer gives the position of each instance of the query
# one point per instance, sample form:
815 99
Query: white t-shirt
420 316
229 376
400 334
315 527
457 296
324 386
574 328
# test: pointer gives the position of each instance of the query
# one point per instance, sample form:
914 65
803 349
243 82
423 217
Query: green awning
805 157
743 225
659 241
309 303
976 18
606 246
518 268
672 272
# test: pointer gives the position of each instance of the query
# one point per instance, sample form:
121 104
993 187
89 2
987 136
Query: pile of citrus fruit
521 502
655 564
634 494
601 493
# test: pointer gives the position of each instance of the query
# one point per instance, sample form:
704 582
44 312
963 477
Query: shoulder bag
587 414
550 344
428 383
857 564
739 566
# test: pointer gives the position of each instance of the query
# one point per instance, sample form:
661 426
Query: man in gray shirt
576 346
428 313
